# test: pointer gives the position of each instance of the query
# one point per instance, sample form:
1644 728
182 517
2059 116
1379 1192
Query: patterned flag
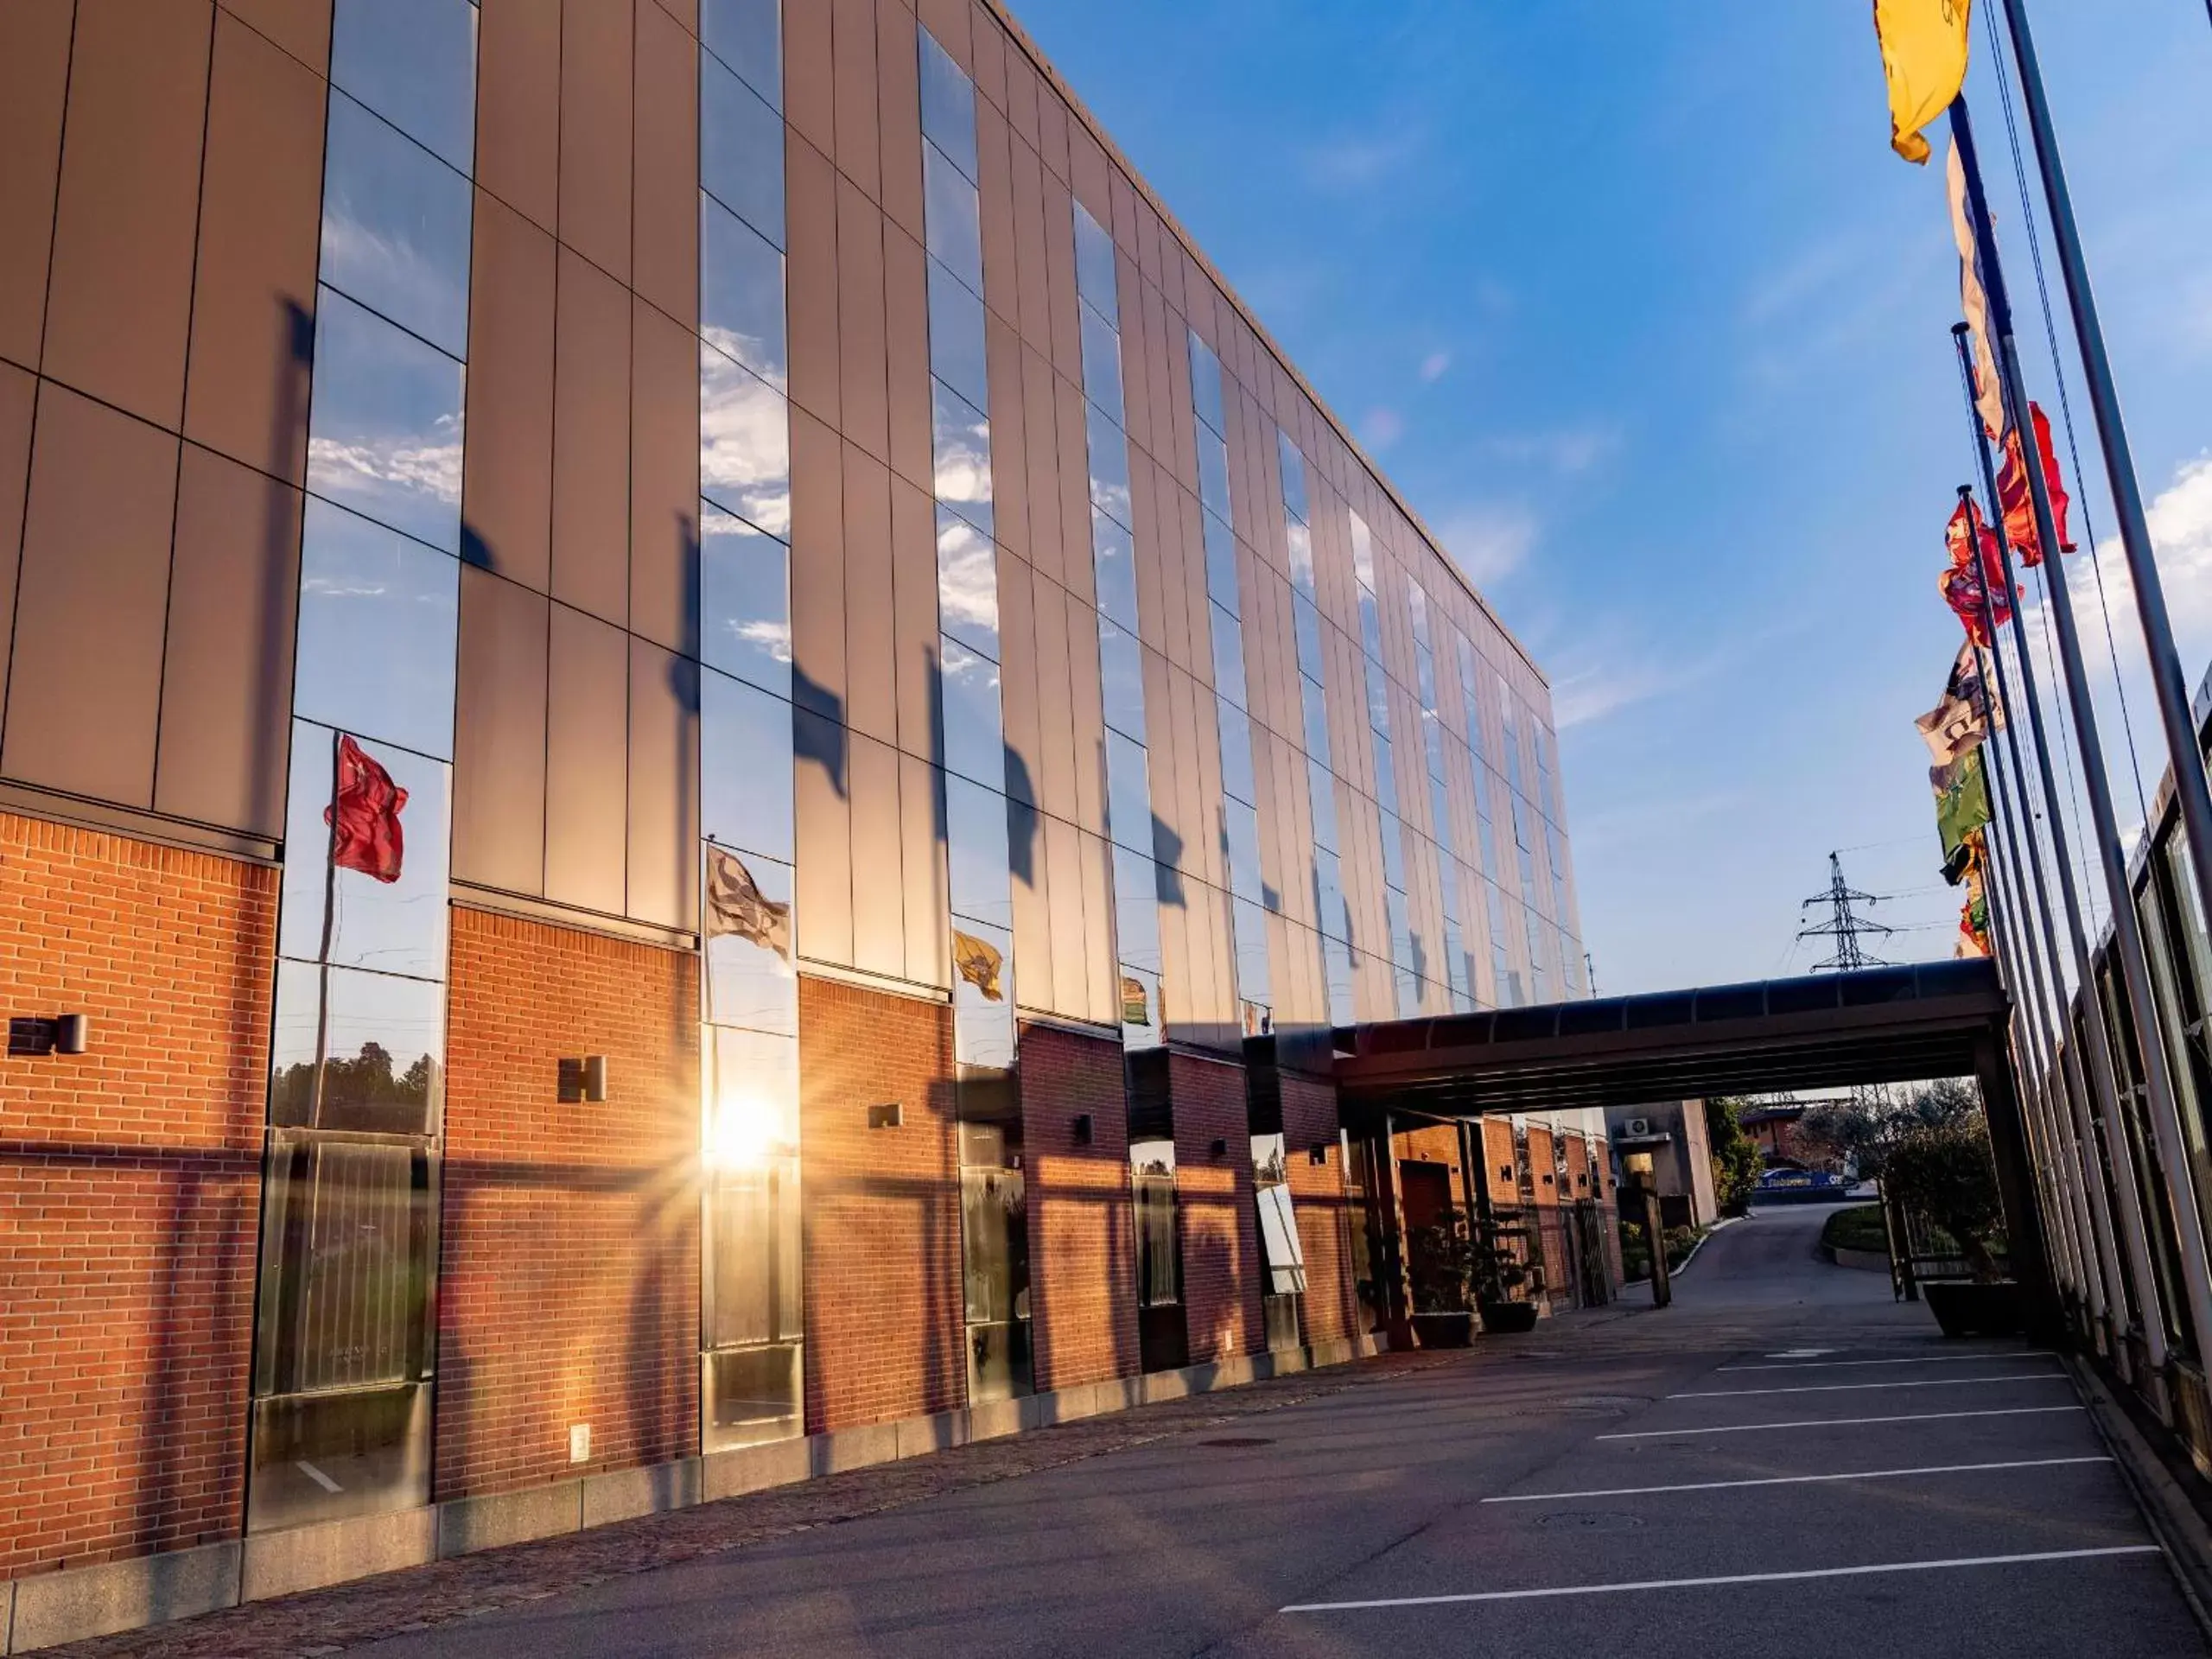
1925 61
1136 1006
978 962
364 817
1962 800
1988 398
736 906
2012 494
1963 716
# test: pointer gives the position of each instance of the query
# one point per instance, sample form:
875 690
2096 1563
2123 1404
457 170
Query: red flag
2012 493
365 819
1966 525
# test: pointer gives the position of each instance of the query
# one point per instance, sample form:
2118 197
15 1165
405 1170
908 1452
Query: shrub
1945 1173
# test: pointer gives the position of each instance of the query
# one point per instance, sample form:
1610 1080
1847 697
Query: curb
2184 1537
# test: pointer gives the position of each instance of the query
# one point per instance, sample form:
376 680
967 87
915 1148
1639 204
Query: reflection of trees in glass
368 1081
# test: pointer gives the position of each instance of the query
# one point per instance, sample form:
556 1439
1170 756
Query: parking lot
1785 1461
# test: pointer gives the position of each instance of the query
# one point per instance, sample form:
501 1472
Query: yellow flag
1925 59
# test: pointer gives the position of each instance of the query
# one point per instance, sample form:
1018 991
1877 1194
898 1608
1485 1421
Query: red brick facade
1082 1253
129 1192
884 1312
1317 1199
570 1278
1213 1191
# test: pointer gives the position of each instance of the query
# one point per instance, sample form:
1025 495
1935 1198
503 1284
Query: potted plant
1499 1273
1440 1264
1945 1174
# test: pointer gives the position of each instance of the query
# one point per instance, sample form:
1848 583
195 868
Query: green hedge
1858 1228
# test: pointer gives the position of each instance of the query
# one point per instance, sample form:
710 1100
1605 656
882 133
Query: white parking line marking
1725 1578
1930 1359
1860 1387
1797 1480
1834 1422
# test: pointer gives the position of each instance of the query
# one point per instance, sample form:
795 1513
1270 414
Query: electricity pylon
1844 924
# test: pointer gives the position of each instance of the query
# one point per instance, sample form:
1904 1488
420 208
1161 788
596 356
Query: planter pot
1508 1318
1970 1310
1444 1330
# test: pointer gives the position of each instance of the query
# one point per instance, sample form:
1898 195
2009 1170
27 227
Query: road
1784 1461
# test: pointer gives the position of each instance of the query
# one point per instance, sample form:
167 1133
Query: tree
1860 1133
1944 1172
1736 1159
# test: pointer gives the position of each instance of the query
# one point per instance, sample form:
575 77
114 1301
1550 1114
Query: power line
1845 925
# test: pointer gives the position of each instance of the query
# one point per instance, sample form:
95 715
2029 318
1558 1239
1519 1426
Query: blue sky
1637 308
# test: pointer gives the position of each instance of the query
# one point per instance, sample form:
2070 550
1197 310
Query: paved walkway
1784 1461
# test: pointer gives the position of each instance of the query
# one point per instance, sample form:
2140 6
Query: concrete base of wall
51 1608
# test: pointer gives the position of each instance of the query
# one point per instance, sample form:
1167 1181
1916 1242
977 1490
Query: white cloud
1491 543
1568 451
1358 161
1434 365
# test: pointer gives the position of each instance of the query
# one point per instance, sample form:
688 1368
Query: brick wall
1317 1199
1082 1253
129 1192
1497 1156
569 1256
884 1312
1213 1191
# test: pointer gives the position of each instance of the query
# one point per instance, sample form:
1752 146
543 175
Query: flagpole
2186 752
2128 931
2060 1069
2060 1060
2110 1236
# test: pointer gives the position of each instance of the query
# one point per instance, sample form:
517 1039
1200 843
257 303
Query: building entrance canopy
1873 1025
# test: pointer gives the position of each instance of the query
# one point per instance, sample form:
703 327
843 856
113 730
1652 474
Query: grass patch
1857 1228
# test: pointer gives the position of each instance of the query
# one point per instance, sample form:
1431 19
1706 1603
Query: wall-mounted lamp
888 1115
1219 1148
64 1033
1083 1129
583 1079
72 1034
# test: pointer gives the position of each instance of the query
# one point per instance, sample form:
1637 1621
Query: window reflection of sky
396 228
984 1030
976 852
413 62
973 746
747 983
376 619
952 231
963 448
384 430
741 150
1109 467
741 293
744 600
967 584
745 462
948 104
1121 665
747 35
745 767
956 337
1115 567
1094 263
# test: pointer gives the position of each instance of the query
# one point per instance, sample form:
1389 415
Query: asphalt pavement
1785 1460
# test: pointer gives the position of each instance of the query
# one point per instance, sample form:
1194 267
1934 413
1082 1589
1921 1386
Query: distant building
1773 1127
1673 1132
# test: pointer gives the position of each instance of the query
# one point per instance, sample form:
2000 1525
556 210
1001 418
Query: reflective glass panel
1136 910
1109 468
376 620
1293 482
1314 706
413 63
752 1099
1129 798
1300 543
1321 789
982 995
1120 668
1221 564
741 150
1227 655
967 584
975 850
1432 739
948 104
1102 362
1370 630
1253 987
952 233
1305 621
745 767
956 338
383 1056
1243 827
390 821
1417 604
395 226
973 744
1440 807
750 978
1213 474
1335 962
295 1035
1237 780
964 456
1114 564
741 293
1363 553
745 443
1386 774
744 600
1402 938
1094 263
1205 383
747 35
1394 850
384 430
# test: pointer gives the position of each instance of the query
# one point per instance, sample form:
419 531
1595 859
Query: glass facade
344 1339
